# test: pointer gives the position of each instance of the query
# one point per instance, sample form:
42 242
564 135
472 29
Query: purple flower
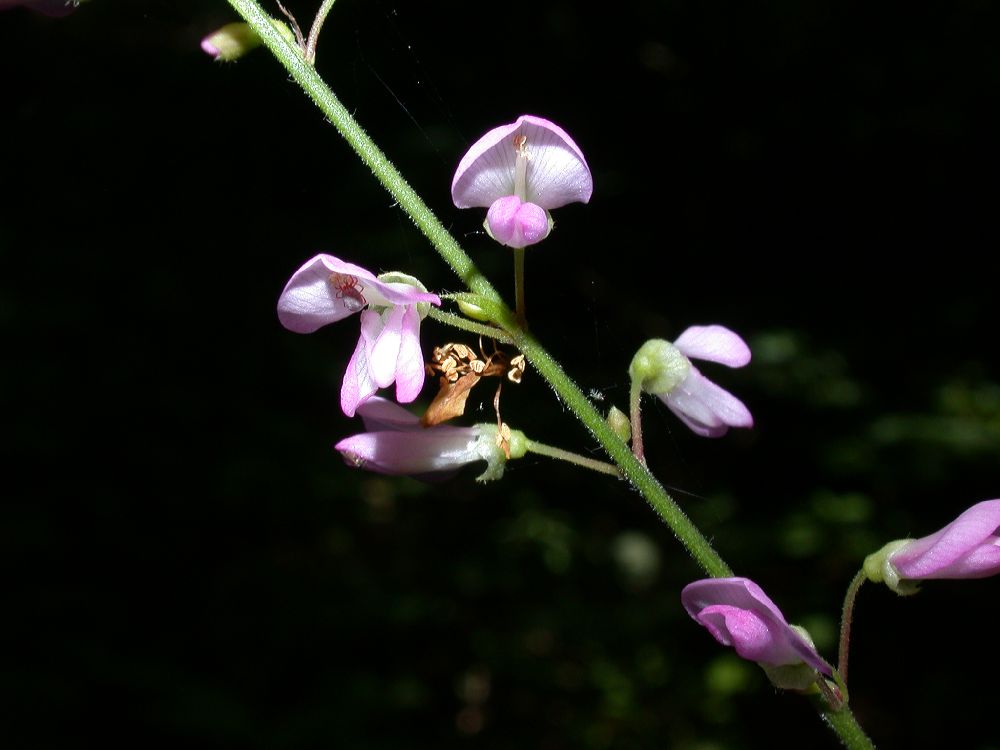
398 444
327 289
48 7
968 547
665 369
738 613
520 172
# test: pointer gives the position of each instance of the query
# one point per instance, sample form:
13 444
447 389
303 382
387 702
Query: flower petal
557 172
742 629
968 547
431 451
381 414
715 344
708 409
385 351
311 300
516 224
327 289
410 362
359 385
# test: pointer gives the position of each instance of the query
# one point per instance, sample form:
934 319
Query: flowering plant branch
451 252
735 610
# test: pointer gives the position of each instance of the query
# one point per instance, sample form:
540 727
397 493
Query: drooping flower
397 444
520 172
48 7
327 289
968 547
665 370
738 613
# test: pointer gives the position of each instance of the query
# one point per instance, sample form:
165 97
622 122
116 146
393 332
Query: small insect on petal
349 290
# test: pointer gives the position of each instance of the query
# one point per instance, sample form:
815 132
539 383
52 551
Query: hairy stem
482 329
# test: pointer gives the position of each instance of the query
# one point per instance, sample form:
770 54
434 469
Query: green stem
635 418
317 26
574 458
852 736
522 320
634 470
482 329
845 623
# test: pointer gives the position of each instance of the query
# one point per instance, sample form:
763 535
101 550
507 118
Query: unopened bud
619 422
231 42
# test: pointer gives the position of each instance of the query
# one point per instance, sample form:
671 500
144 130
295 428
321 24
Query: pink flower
968 547
520 172
327 289
738 613
397 444
665 369
48 7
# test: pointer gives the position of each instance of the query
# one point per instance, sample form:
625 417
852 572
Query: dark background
190 562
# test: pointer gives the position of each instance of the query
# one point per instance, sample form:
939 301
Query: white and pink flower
327 289
520 172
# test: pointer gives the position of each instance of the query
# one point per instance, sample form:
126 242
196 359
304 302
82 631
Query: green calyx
659 367
398 277
490 447
878 568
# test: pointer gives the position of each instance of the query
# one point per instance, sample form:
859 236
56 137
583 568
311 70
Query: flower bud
231 42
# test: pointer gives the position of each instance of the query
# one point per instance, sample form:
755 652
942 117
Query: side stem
845 623
574 458
635 417
519 287
317 26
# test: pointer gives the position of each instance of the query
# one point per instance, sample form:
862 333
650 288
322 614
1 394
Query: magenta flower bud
327 289
397 444
968 547
520 172
665 370
738 613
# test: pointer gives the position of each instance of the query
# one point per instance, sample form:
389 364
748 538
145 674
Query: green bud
619 422
231 42
473 311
